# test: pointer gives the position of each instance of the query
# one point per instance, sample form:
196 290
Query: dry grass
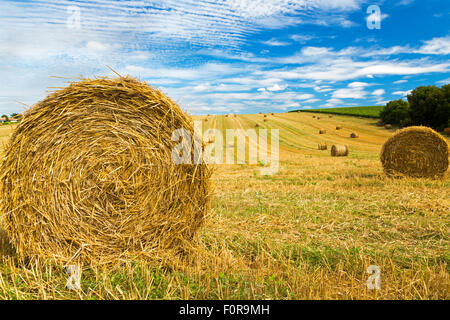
308 232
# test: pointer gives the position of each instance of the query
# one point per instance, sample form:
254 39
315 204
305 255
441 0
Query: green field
367 112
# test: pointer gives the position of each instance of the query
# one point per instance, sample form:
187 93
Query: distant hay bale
322 131
265 116
265 120
322 146
388 126
339 150
447 131
379 123
256 125
415 152
206 120
318 118
314 116
272 113
330 116
234 115
354 135
226 116
338 127
88 176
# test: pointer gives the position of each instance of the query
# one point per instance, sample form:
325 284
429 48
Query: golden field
308 232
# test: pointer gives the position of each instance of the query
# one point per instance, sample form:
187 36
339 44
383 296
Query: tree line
426 105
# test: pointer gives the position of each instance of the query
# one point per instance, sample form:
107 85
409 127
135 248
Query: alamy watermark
259 151
74 19
374 17
374 280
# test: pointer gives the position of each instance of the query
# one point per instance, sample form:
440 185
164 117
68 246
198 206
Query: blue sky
220 56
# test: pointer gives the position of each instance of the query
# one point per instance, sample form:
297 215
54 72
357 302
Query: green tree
427 106
396 112
5 117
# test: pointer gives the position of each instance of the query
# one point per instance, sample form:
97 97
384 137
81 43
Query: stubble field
307 232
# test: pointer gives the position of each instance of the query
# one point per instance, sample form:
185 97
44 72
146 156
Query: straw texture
88 176
339 150
416 152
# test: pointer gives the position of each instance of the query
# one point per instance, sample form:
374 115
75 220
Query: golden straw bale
88 176
322 146
447 131
388 126
256 125
354 135
415 152
339 150
338 127
322 131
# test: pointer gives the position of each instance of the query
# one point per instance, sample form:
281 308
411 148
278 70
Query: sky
228 56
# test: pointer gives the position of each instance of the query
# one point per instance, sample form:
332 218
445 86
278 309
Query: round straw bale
272 113
388 126
415 152
322 131
330 116
339 150
379 123
265 116
318 118
322 146
447 131
265 120
256 125
354 135
313 116
338 127
88 176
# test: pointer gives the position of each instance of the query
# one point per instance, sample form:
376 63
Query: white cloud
378 92
400 81
402 93
275 43
277 87
436 46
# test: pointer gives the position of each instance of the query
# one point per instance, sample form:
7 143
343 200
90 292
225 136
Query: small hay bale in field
338 127
272 113
206 120
318 118
265 120
322 146
388 126
330 116
314 117
339 150
322 131
354 135
256 125
265 116
447 131
379 123
415 152
226 116
234 115
88 176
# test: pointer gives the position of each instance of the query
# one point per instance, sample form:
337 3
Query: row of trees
428 106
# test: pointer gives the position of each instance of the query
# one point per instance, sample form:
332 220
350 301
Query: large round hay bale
322 131
339 150
88 176
354 135
322 146
415 152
